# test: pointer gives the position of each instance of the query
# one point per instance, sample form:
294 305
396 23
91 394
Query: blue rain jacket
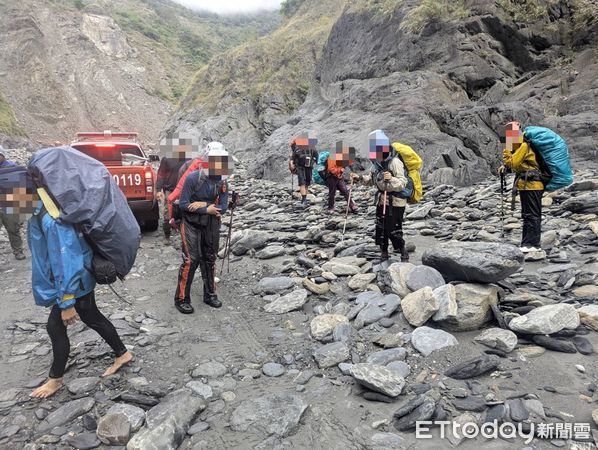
60 262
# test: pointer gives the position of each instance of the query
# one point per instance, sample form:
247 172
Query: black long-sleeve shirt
206 190
168 173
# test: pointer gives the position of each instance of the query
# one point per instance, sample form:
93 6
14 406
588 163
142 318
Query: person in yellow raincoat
518 157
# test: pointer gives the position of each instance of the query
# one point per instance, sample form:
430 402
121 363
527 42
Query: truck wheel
152 221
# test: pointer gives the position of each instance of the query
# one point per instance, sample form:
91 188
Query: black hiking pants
390 228
92 317
333 184
200 248
165 215
531 213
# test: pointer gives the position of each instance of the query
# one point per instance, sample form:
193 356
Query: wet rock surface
285 360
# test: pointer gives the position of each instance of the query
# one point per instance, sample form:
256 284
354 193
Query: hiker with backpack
177 150
540 160
303 158
331 171
397 185
203 201
11 220
61 279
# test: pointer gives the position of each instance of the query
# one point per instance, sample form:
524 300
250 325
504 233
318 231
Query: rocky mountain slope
68 65
440 76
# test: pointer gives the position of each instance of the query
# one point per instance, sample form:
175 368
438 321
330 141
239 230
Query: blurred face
306 143
2 158
379 150
513 136
179 146
19 200
220 166
344 155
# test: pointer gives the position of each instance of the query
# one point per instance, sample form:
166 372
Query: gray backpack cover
88 196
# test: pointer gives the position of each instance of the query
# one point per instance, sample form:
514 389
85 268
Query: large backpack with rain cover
320 171
88 197
413 163
552 154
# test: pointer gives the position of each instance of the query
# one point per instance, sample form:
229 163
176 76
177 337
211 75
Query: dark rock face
473 367
479 262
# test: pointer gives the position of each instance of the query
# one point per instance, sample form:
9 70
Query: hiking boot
384 256
529 249
330 210
212 300
354 209
184 307
20 256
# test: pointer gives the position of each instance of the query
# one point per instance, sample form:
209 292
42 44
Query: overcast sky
231 6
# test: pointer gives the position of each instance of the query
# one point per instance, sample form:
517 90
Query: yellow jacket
521 160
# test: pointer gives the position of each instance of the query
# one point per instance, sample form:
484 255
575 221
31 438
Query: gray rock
276 415
378 378
422 276
324 324
586 203
289 302
397 274
386 441
419 306
482 262
167 423
272 369
421 413
473 367
272 251
212 369
84 441
134 414
476 404
546 319
66 413
342 332
427 340
447 303
399 367
198 427
80 386
114 429
517 410
384 357
201 389
474 307
330 355
377 306
361 281
247 240
340 268
498 338
270 285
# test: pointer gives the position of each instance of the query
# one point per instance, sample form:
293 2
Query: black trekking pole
292 186
227 246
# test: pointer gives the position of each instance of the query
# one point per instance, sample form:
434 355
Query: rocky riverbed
321 346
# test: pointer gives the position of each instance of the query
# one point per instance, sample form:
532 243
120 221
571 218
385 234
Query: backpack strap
49 205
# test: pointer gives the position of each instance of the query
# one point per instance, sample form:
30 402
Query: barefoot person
61 281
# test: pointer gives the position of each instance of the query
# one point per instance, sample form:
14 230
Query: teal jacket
60 261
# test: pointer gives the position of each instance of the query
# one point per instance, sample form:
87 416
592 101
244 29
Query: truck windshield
111 153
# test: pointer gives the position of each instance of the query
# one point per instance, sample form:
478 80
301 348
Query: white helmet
216 149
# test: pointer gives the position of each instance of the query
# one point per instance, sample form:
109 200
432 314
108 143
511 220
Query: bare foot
48 388
118 363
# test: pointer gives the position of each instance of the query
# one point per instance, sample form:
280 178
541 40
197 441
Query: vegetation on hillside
8 122
279 66
430 11
184 40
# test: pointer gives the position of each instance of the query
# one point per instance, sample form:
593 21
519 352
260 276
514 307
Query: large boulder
419 306
167 422
378 378
323 325
330 355
114 429
427 340
397 278
546 319
422 276
66 413
373 306
246 240
289 302
474 307
481 262
276 415
586 203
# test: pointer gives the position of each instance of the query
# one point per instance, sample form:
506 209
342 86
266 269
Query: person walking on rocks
8 218
177 151
304 157
203 201
388 175
518 157
61 280
336 166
